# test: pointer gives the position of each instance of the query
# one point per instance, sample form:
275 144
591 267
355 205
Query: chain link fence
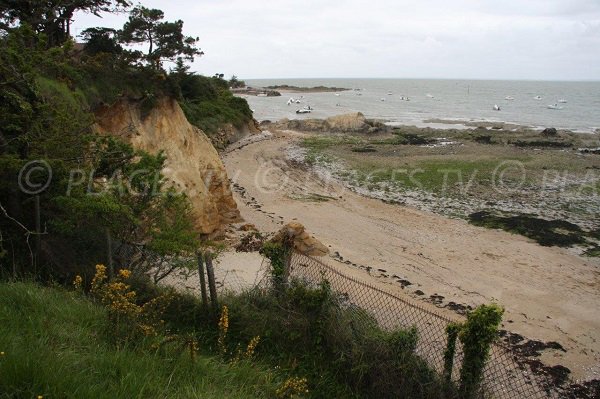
506 375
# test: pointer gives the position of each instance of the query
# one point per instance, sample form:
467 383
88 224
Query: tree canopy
165 40
52 17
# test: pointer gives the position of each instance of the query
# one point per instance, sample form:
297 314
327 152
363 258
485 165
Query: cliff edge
193 165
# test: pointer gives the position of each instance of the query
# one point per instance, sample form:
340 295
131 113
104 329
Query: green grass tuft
56 344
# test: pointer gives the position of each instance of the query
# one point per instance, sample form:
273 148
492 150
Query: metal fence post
202 279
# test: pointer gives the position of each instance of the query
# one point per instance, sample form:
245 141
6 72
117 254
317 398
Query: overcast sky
501 39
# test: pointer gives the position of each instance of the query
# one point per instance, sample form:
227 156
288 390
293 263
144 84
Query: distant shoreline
299 89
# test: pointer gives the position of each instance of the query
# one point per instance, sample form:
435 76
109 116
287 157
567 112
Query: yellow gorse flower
77 282
223 328
252 347
292 387
124 273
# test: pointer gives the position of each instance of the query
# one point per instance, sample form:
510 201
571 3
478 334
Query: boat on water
537 97
562 101
382 99
429 95
509 98
554 106
389 93
496 107
306 110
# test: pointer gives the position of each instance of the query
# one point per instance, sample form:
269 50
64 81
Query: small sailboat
496 107
537 97
509 98
554 106
562 101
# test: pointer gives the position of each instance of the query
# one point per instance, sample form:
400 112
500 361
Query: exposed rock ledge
193 164
347 123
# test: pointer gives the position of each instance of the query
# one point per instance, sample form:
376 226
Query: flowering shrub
294 387
129 318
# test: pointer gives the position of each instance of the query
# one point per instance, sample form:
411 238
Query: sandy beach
549 294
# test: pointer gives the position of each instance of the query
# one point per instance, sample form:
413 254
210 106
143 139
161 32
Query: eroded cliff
193 165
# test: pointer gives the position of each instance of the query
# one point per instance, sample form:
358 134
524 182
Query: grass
57 344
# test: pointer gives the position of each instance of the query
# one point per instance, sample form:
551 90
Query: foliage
277 254
340 349
52 18
165 39
56 343
235 83
476 335
208 103
101 40
452 331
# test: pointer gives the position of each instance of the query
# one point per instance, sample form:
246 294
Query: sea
441 103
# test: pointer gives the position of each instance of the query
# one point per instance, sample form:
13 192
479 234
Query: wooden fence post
109 259
289 251
212 286
38 232
202 279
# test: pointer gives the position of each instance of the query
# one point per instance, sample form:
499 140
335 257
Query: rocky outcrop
192 166
230 134
304 243
347 123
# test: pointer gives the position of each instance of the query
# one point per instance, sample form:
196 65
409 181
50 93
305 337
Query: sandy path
549 294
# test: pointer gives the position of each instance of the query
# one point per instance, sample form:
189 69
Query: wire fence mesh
506 375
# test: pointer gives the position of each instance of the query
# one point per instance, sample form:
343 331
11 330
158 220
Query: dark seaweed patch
546 232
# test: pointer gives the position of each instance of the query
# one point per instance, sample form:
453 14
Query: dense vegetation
69 196
49 89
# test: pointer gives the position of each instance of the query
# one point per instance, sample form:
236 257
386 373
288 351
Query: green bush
476 335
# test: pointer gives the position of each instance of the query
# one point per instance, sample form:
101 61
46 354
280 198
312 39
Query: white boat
303 111
496 107
509 98
429 95
554 106
537 98
389 93
562 101
337 94
290 101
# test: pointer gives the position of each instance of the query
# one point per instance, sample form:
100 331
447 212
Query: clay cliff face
193 165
